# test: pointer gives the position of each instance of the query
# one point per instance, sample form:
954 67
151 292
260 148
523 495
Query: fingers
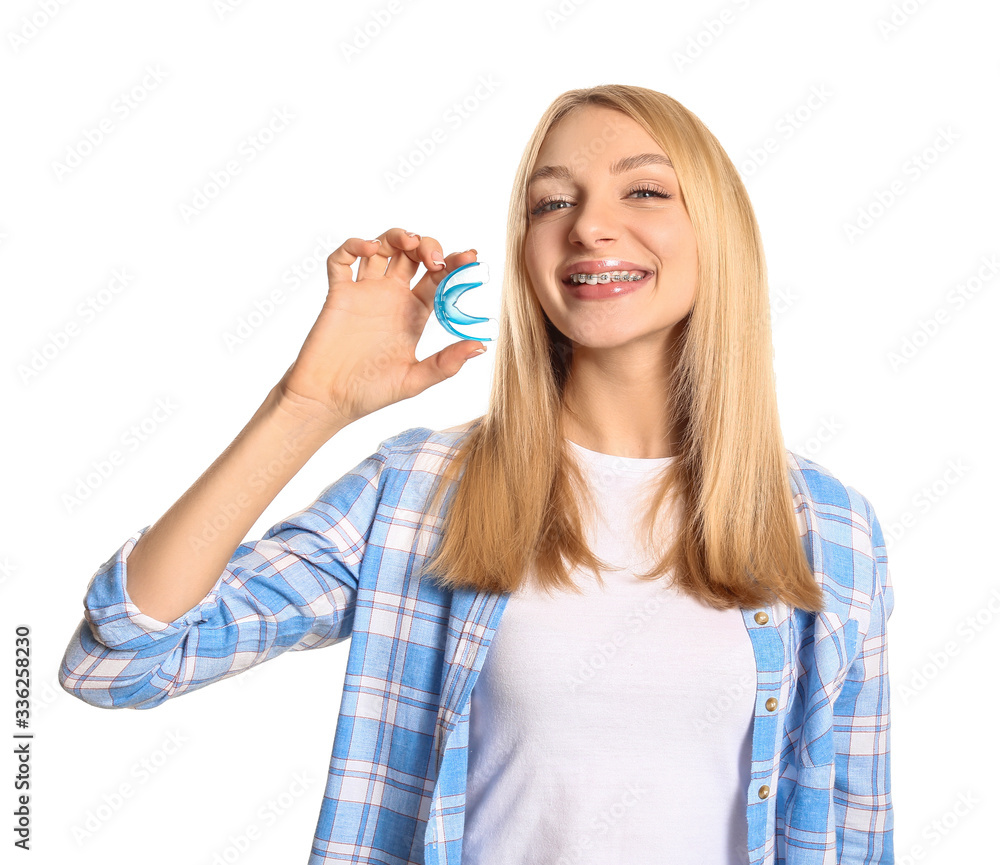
440 365
420 250
426 288
388 258
375 254
397 253
340 261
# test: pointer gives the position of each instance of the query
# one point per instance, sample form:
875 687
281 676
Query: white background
916 437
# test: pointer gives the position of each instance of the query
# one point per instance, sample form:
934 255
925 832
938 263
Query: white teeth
606 276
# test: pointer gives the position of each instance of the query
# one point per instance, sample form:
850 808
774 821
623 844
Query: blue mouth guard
447 295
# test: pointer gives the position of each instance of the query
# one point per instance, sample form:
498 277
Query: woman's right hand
361 353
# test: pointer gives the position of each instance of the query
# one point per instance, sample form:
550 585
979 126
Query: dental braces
607 276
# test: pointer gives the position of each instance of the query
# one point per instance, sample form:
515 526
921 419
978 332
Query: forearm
178 560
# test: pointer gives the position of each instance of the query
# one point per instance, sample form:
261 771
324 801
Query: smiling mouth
606 277
604 289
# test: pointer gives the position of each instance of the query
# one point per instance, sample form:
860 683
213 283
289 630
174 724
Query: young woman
613 619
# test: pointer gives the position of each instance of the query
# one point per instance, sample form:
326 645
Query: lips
600 266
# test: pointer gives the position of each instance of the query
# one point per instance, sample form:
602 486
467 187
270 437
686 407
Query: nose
593 223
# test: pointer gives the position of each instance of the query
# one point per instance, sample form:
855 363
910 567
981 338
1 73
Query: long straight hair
518 493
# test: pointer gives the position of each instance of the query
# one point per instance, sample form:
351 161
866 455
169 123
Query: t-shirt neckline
633 464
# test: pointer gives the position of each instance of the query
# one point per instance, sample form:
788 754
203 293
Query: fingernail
477 351
412 234
476 251
376 240
439 259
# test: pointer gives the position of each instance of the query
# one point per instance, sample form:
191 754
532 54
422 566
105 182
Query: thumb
441 365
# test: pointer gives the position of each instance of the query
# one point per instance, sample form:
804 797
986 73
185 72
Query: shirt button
761 618
771 704
764 791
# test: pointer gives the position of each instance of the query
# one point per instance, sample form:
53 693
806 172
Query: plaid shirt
345 567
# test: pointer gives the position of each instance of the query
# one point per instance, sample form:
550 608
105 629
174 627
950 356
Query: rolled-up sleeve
863 796
294 589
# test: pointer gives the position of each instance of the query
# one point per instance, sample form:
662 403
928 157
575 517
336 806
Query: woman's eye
545 206
658 193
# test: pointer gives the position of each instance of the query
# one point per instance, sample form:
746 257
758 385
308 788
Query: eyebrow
627 163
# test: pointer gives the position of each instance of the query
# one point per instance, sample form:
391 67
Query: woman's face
586 214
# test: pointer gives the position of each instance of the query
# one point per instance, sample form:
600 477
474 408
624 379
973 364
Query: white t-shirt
613 726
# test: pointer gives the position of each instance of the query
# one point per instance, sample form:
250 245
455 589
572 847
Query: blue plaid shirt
346 567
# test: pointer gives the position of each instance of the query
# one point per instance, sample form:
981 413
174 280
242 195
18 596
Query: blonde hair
516 502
